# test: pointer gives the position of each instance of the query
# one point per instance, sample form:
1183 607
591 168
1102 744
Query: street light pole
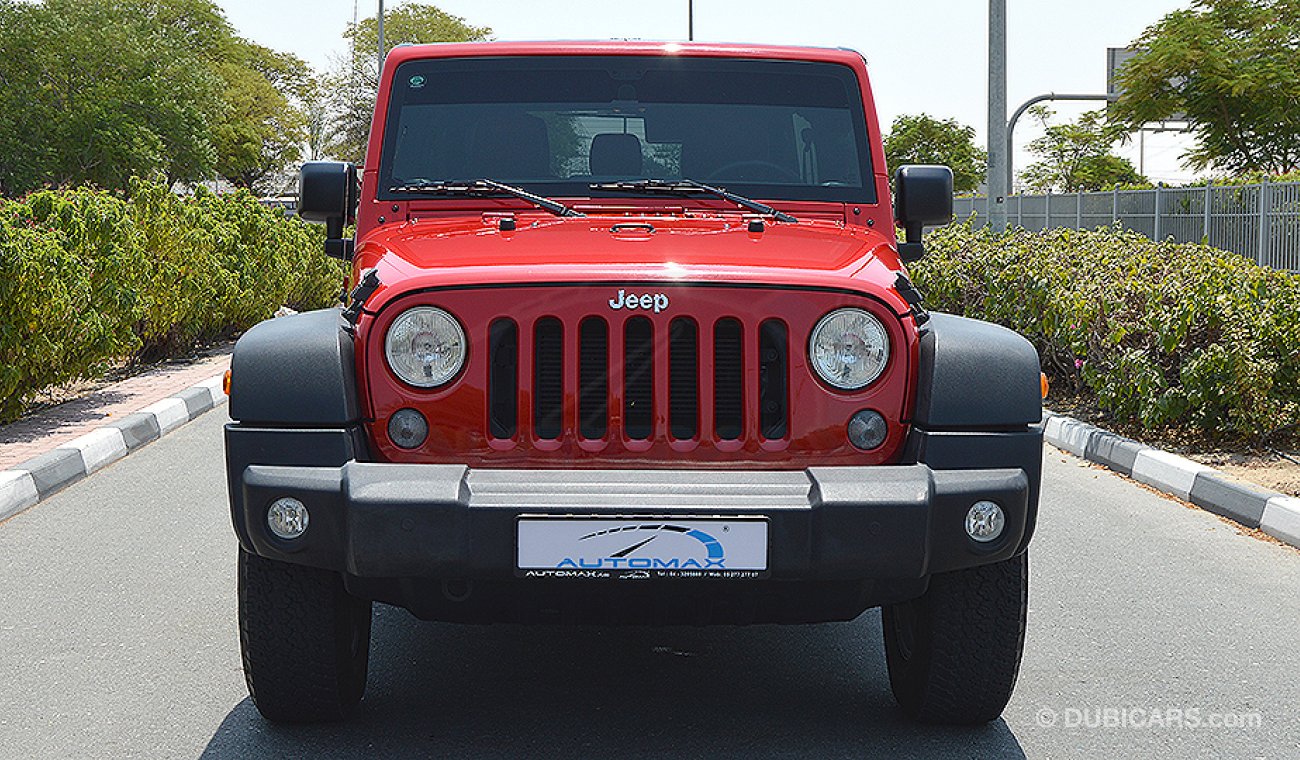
1011 126
382 52
690 20
998 158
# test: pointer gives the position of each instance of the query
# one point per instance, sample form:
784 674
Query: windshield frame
578 187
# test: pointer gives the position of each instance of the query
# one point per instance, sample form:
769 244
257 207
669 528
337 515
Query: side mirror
922 197
327 193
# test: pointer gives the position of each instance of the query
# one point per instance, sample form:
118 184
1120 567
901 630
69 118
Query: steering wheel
772 170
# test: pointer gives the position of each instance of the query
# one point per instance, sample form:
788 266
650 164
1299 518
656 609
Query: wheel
954 653
743 171
305 641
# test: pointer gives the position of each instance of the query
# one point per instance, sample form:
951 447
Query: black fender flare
979 403
297 370
976 375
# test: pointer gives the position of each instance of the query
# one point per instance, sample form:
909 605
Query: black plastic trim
965 450
296 370
593 378
975 375
548 378
824 523
503 378
773 379
728 379
308 448
638 378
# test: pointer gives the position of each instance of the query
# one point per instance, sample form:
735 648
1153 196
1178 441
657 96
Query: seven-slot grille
622 383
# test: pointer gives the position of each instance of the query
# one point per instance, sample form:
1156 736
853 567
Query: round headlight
425 347
849 348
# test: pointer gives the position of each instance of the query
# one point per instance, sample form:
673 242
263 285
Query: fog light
287 518
985 521
867 429
408 428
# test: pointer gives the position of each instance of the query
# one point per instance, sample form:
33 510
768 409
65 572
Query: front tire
954 653
305 641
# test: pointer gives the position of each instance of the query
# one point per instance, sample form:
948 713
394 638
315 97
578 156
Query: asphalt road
118 639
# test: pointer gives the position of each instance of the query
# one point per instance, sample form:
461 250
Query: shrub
1165 335
87 277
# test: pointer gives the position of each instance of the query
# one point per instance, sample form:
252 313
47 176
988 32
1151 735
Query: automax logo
714 555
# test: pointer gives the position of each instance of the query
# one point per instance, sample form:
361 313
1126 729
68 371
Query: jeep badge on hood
631 301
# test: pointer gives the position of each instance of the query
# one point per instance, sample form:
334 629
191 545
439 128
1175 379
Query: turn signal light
1042 378
868 429
225 383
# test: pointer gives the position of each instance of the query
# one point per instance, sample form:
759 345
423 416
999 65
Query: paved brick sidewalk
48 429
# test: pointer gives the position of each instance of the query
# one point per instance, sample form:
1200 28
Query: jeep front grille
728 379
575 375
593 378
638 378
773 379
503 378
645 385
548 378
683 379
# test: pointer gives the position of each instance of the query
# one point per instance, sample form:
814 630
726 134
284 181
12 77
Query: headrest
616 154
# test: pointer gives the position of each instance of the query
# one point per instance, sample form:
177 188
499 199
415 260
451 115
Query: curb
1276 514
41 476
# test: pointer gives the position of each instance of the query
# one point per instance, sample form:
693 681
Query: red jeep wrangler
631 341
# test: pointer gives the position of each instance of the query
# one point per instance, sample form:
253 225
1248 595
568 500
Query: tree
1233 66
25 151
1077 156
923 139
99 91
316 110
264 126
355 81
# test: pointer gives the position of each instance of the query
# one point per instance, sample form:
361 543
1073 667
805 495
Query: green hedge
1166 335
87 278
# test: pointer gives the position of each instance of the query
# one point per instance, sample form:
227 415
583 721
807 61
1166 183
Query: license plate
604 547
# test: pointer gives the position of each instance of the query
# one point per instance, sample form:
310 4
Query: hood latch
913 297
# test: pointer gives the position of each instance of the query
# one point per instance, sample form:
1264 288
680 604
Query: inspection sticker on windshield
641 548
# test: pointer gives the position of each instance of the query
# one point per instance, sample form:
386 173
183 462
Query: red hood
696 248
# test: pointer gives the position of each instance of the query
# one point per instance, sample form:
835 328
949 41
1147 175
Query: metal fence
1261 222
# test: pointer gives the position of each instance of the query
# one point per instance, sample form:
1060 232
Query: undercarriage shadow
440 690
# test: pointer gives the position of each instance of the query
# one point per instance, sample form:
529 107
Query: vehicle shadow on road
506 691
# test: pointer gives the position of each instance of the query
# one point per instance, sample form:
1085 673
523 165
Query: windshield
785 130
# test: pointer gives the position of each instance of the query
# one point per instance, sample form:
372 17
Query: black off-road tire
305 641
954 653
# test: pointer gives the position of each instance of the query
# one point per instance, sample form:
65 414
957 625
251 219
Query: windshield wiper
691 186
482 187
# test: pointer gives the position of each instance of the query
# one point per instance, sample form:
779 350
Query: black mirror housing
327 194
922 197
